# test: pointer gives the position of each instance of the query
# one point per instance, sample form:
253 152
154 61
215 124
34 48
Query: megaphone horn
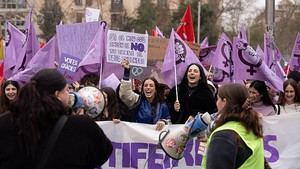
173 143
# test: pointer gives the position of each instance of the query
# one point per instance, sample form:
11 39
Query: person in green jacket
237 138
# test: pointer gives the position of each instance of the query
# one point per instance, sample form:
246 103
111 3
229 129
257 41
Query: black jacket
81 145
192 100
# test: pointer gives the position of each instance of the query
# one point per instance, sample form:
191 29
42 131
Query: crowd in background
45 99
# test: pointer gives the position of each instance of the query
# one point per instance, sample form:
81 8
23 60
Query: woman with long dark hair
111 110
9 92
237 139
289 99
262 101
194 96
149 106
35 115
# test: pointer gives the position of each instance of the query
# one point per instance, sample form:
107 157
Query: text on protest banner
132 46
136 145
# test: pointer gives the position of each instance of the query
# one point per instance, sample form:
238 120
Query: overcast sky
261 3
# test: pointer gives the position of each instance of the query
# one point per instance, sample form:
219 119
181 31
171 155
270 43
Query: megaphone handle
159 137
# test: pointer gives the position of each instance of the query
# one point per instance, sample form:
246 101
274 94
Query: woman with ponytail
25 133
237 139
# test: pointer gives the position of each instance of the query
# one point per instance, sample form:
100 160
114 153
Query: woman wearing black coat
26 130
194 96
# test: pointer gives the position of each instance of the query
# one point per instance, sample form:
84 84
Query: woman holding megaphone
237 139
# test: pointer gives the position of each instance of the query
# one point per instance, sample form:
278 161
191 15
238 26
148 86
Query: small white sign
133 46
91 14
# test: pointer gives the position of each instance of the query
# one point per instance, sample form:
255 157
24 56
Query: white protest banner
136 145
91 14
132 46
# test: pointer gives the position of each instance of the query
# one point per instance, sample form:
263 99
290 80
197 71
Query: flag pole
100 77
199 19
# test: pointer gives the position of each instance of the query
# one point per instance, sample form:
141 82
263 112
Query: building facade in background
112 11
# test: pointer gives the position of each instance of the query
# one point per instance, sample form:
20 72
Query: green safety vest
256 160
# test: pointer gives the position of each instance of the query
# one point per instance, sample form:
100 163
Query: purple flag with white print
248 65
222 58
30 45
44 58
294 62
179 56
73 42
13 46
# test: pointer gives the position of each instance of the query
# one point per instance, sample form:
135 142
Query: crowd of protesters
30 115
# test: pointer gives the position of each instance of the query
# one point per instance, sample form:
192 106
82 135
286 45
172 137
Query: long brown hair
37 108
238 108
293 83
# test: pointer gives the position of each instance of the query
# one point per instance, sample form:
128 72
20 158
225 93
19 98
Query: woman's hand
125 63
177 106
160 125
116 121
76 85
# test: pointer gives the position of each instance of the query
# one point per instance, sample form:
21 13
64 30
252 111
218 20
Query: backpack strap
52 140
4 114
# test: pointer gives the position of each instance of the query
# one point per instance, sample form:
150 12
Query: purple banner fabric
74 40
178 56
222 59
294 62
13 47
248 65
44 58
30 45
204 43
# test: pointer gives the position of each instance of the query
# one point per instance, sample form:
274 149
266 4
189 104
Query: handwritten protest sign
132 46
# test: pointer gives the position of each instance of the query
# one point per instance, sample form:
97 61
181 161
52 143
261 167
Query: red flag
185 29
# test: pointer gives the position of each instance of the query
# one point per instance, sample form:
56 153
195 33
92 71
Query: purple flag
77 46
294 62
271 53
222 58
159 33
44 58
13 46
204 43
178 56
96 50
220 76
260 52
207 54
279 71
30 45
248 65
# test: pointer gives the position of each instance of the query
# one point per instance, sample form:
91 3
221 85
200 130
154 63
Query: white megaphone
91 99
173 143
